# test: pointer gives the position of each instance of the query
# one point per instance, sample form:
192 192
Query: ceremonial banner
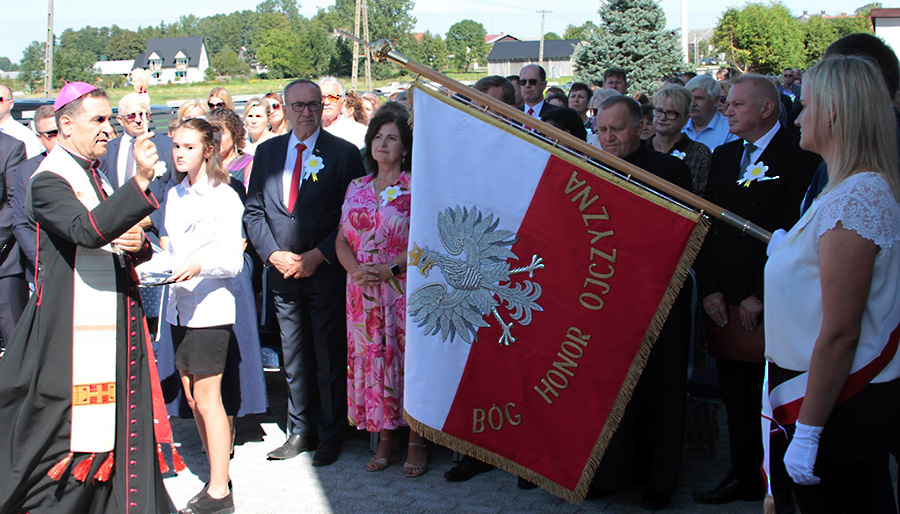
535 289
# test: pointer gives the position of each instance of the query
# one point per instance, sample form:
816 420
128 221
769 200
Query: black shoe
731 489
525 484
295 445
206 504
466 468
655 500
328 452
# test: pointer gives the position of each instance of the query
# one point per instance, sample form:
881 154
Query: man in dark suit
118 162
13 288
293 211
533 82
19 176
647 446
730 265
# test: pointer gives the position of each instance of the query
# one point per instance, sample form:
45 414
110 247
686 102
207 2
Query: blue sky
24 22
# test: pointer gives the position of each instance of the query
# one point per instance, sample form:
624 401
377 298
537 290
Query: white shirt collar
309 142
763 142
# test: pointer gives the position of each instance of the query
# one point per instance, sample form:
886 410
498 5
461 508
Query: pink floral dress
377 230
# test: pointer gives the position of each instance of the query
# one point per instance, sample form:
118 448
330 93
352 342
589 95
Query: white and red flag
536 287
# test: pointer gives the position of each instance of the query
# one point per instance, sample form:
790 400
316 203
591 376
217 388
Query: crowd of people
303 200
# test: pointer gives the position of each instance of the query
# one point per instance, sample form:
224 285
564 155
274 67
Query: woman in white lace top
832 298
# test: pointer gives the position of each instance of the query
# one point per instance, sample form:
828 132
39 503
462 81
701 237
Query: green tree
583 32
31 69
760 38
632 35
125 44
551 36
819 32
430 51
71 64
465 44
272 53
227 62
89 39
6 64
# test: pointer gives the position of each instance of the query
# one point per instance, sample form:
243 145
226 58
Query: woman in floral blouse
371 245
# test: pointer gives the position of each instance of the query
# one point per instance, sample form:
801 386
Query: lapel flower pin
680 155
755 173
390 194
159 169
313 166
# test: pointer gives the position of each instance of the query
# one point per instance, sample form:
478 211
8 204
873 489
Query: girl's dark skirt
201 350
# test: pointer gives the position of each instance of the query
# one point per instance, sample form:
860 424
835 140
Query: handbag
734 342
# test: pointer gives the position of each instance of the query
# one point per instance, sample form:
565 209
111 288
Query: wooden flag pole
383 51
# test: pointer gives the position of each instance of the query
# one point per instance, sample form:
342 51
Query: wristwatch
395 270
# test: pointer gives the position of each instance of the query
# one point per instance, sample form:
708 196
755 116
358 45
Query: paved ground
294 486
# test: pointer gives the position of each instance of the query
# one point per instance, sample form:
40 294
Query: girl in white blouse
204 251
832 297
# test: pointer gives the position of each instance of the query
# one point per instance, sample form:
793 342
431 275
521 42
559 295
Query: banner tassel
177 461
163 465
102 474
83 468
57 470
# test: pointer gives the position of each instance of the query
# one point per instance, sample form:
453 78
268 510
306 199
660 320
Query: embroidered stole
94 313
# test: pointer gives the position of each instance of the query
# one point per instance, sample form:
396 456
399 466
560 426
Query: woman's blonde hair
679 96
255 102
222 94
849 100
194 103
210 136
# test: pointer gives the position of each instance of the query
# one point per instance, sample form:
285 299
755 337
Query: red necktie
531 111
295 177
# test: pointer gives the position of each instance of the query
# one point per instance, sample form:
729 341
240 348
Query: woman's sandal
380 463
416 470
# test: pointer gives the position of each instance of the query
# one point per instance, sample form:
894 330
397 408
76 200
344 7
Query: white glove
777 236
800 457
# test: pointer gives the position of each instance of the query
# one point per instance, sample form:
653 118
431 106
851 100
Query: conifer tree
632 35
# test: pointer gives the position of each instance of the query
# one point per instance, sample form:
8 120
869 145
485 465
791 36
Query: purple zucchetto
71 92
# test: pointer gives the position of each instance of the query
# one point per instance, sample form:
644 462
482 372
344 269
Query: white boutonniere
159 169
312 167
680 155
390 194
755 173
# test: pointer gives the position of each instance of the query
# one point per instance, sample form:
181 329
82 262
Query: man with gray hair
333 119
293 211
707 125
647 444
13 128
761 177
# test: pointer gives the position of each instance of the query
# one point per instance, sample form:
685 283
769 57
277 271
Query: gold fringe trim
582 163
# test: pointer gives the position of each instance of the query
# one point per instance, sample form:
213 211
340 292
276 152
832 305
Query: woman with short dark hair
371 245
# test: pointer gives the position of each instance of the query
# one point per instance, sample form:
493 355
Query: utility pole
541 47
365 15
48 53
354 73
361 8
684 31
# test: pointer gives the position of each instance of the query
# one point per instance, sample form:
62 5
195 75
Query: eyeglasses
333 98
50 134
215 105
669 115
301 106
2 99
135 115
528 82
